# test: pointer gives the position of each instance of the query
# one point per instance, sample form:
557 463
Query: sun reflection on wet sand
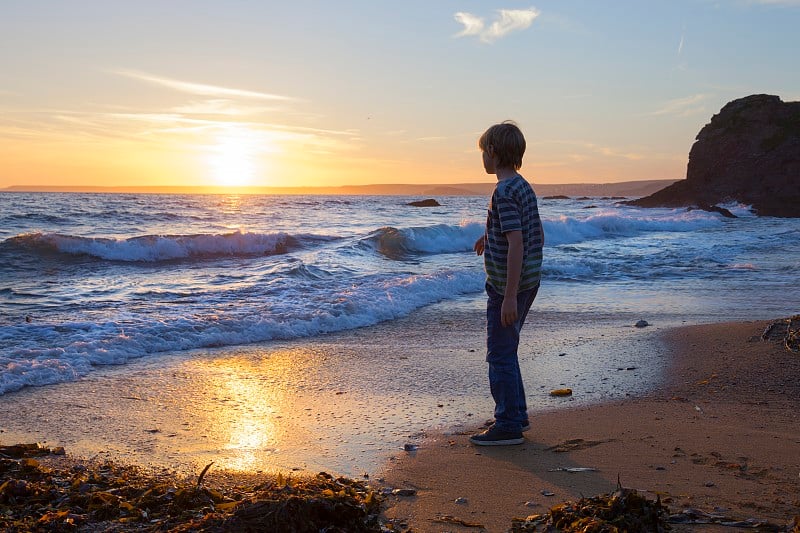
252 427
298 409
241 404
344 403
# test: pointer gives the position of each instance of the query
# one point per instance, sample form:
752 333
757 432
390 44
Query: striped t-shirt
513 207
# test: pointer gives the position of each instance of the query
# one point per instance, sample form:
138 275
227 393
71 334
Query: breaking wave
156 248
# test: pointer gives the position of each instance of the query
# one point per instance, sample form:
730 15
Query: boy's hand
508 312
480 244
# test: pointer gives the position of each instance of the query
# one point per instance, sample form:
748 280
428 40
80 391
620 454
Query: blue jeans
505 378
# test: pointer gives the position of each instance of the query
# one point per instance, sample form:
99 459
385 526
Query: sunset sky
319 93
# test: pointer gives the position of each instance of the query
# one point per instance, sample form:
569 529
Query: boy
512 250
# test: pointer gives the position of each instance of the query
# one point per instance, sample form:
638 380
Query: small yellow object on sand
561 392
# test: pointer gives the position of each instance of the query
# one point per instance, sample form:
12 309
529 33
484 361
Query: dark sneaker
526 425
496 437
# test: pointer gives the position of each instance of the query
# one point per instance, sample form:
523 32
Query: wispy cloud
506 21
223 109
159 124
682 107
168 128
200 89
680 45
473 25
221 106
204 117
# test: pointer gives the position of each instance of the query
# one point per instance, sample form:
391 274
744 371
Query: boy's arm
508 312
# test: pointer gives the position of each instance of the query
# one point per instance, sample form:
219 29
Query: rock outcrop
748 153
430 202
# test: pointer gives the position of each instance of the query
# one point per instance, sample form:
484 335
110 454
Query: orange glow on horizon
237 156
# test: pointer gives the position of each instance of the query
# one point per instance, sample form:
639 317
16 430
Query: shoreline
704 417
345 402
719 435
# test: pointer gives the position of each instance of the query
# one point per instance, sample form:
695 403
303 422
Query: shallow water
88 280
346 402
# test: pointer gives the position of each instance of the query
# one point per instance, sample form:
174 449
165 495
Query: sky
352 92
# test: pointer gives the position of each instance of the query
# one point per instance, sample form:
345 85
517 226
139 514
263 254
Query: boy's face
488 161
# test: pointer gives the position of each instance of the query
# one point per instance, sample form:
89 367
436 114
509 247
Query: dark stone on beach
430 202
642 324
24 450
750 153
404 492
556 197
590 206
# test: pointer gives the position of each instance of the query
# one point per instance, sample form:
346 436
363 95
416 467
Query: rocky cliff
749 153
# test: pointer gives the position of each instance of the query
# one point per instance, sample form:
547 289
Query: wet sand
701 415
721 434
345 403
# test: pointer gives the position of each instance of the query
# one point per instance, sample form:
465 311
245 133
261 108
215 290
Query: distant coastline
625 188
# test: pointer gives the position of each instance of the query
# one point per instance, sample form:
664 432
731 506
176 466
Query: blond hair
506 142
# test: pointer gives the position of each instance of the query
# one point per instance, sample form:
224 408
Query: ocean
89 280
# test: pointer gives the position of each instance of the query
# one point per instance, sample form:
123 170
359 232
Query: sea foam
155 248
52 353
615 223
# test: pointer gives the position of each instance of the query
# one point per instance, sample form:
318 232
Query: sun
232 160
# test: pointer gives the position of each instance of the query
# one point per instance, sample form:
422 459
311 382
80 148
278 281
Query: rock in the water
715 209
430 202
748 153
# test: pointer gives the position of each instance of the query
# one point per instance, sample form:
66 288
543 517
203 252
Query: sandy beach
704 416
720 435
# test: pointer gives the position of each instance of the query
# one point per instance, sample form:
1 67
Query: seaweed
113 498
625 510
110 497
786 331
